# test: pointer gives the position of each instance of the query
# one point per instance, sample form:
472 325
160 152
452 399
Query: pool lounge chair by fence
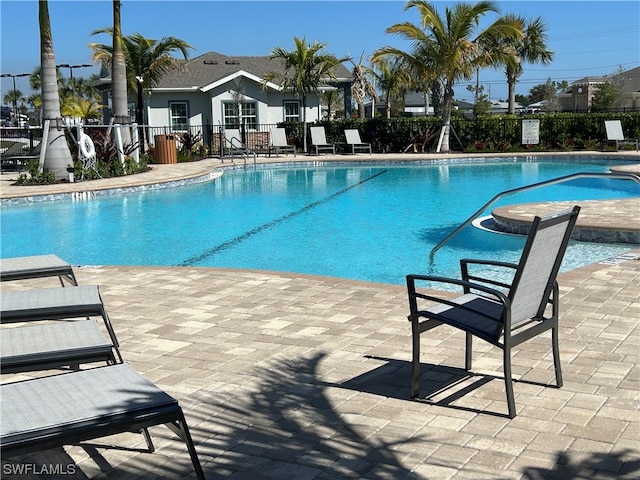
84 405
615 134
319 141
504 320
278 142
36 266
354 141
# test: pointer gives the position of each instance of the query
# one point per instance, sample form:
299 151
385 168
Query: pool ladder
573 176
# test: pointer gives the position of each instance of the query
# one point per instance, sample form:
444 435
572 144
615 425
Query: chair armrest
466 285
464 270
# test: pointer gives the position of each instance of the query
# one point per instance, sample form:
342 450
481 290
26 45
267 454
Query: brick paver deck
286 376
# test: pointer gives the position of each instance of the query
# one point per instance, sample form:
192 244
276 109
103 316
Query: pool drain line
254 231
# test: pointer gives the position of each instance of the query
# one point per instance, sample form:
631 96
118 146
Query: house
216 89
579 96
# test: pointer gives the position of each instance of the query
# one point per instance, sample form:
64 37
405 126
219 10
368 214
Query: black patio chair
502 314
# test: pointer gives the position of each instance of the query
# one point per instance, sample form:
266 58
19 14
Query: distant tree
13 97
362 86
522 100
605 98
330 98
392 78
306 68
546 91
530 48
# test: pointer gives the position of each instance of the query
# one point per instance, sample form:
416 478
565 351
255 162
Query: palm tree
118 72
532 48
391 77
147 59
57 153
450 47
362 87
306 68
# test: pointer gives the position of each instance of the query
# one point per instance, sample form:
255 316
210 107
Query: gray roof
213 67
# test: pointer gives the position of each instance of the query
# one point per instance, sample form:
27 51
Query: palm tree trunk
511 83
57 153
119 76
304 122
446 118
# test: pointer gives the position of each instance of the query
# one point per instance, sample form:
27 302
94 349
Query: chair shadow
440 385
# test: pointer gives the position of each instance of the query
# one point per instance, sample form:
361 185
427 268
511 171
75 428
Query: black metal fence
563 131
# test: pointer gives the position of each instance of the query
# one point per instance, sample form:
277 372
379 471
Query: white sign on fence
531 132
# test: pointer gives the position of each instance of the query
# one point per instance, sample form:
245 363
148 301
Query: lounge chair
353 140
37 266
53 345
56 304
278 142
614 134
528 308
319 141
50 412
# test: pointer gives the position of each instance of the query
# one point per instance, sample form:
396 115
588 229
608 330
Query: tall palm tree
362 87
118 72
306 68
57 153
391 77
532 48
450 47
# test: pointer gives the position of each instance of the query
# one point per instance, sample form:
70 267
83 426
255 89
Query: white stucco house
220 90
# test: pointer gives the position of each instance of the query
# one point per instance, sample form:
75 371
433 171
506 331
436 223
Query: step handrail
566 178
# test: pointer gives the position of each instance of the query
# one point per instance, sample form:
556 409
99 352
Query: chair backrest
614 130
233 137
539 265
13 149
278 137
317 136
352 136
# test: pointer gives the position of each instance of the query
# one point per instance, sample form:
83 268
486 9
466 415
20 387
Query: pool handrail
566 178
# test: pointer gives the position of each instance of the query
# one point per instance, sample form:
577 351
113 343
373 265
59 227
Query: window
291 111
179 116
249 116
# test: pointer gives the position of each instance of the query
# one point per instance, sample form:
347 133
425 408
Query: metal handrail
573 176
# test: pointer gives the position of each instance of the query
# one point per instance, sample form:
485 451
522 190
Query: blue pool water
374 222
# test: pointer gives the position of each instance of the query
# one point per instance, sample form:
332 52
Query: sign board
531 132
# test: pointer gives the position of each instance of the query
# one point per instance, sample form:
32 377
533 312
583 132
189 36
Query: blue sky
589 38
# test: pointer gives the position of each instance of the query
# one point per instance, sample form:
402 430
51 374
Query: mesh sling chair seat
56 304
53 345
37 266
278 142
528 308
50 412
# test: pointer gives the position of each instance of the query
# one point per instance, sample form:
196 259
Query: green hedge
558 131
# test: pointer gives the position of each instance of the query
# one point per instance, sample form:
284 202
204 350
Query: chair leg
556 356
415 364
186 436
508 382
468 355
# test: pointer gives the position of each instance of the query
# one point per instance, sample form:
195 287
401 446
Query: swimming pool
371 221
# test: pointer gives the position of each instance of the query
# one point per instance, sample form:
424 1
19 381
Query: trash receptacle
166 150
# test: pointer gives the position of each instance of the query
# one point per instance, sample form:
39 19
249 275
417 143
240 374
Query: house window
245 112
291 111
179 115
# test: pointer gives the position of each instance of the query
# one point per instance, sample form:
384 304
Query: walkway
287 376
